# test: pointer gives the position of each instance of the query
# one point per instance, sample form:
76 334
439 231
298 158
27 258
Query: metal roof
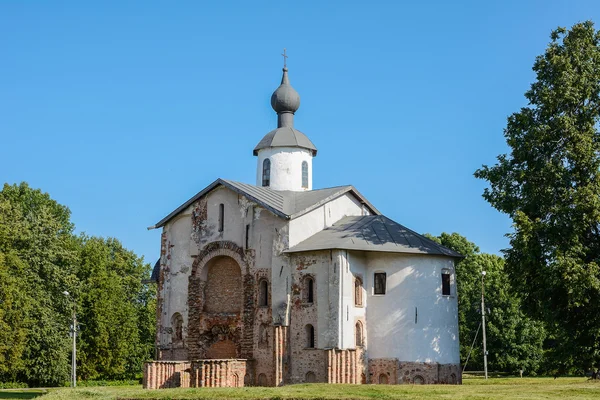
285 136
285 204
372 233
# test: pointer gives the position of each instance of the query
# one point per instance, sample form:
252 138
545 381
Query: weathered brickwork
280 355
383 371
398 372
263 346
429 373
345 366
224 326
166 374
220 373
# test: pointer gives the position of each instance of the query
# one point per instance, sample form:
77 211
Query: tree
549 185
40 258
114 310
37 242
514 340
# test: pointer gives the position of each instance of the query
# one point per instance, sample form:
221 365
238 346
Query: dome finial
285 100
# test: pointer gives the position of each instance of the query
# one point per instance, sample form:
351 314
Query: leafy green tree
514 341
549 185
38 244
114 310
40 258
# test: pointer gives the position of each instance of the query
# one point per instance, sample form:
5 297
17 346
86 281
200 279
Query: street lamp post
74 354
485 368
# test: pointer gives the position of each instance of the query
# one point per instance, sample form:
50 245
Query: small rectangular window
221 217
445 284
379 282
247 235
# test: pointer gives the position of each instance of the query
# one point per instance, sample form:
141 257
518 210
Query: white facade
285 168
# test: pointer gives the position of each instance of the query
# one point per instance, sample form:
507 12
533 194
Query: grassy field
496 388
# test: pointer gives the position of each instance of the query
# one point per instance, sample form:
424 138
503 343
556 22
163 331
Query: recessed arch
177 327
223 291
310 336
359 334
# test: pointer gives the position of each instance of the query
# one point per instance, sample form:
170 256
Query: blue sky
122 110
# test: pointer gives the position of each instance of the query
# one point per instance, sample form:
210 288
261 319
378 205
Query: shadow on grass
20 394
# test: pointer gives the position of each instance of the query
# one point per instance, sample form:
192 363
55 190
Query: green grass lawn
473 388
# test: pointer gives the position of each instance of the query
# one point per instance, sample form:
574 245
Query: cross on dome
284 58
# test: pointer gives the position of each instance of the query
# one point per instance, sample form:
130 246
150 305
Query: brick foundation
166 374
398 372
345 366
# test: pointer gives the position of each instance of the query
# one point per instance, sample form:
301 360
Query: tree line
40 259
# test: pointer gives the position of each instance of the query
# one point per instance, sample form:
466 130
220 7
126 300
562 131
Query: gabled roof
285 204
372 233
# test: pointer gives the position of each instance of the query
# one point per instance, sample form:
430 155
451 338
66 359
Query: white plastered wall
306 225
414 290
286 167
179 261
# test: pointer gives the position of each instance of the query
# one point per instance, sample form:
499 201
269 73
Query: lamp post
74 333
485 369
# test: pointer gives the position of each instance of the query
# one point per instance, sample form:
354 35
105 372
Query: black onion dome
285 99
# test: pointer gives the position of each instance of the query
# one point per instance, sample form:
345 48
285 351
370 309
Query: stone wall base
166 374
393 371
201 373
341 366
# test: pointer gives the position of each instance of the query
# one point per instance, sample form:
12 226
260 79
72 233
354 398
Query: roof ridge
421 237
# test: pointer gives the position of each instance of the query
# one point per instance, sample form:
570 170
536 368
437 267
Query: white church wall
304 226
413 321
286 167
179 266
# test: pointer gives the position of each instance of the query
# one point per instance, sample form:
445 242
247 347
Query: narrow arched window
310 336
309 290
263 293
358 334
358 292
266 172
305 174
221 217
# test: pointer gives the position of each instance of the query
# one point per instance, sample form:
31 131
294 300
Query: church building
279 283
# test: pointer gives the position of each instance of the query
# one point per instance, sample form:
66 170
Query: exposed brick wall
429 373
345 366
263 345
220 373
280 355
221 277
387 367
165 374
414 372
223 292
